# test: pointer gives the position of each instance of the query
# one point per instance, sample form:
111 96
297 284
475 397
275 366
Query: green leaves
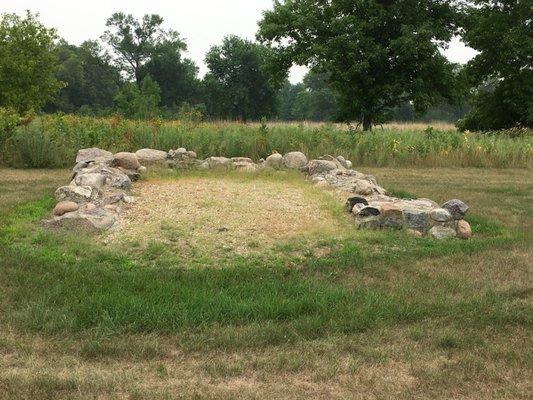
502 33
378 54
28 63
240 83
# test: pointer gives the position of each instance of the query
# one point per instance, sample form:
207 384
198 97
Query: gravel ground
224 214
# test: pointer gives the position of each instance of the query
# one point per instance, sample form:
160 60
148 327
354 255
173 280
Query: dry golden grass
396 125
224 214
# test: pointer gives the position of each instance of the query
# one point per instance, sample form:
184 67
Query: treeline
369 62
236 87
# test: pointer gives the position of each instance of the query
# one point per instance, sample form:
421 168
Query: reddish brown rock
127 160
64 207
464 231
389 209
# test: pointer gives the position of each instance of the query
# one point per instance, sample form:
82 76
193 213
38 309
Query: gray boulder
76 194
274 161
440 215
95 180
344 162
320 166
93 154
442 232
457 208
151 156
117 179
294 160
94 220
219 162
417 220
362 187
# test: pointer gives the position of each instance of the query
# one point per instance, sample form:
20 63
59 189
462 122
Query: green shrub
32 147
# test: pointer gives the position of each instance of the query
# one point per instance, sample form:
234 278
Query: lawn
201 297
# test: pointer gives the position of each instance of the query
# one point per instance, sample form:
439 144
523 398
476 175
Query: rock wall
101 182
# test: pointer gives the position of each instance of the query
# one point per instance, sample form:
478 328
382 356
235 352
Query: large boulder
274 161
243 164
457 208
76 194
344 162
93 154
127 161
95 180
294 160
416 219
93 220
362 187
113 177
151 156
64 207
320 166
181 154
442 232
440 215
219 163
117 179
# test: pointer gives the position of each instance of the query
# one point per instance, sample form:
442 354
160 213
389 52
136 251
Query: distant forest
369 62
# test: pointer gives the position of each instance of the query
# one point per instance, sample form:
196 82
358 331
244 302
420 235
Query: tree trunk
367 122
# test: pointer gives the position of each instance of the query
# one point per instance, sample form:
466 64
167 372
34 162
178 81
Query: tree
502 72
288 95
238 84
91 81
317 102
28 62
176 76
135 42
378 53
139 102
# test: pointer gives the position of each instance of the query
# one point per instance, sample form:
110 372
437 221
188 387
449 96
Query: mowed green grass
377 314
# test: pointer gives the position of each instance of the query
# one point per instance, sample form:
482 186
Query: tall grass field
52 141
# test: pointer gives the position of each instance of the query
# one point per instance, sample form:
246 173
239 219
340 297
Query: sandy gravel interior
225 214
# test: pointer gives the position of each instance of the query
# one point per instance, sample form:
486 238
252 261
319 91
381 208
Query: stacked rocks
99 185
101 181
418 216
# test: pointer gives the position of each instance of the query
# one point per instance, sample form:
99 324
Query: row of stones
418 216
98 190
101 181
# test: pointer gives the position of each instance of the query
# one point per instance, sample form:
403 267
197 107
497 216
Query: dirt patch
224 214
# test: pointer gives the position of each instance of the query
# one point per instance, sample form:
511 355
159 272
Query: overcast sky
203 23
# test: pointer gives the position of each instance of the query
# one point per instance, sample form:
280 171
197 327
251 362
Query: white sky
203 23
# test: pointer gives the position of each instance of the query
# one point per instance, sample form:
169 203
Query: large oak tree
378 54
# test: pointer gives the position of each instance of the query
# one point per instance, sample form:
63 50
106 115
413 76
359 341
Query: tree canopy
28 62
135 42
238 82
378 54
502 72
91 81
175 75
